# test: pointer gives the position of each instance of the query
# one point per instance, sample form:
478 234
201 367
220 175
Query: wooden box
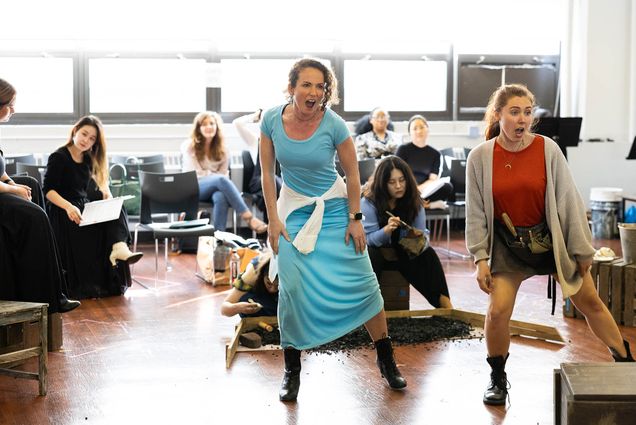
595 393
26 335
615 282
395 290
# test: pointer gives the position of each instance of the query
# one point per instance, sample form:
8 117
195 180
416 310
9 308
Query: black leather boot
291 380
386 363
618 358
497 390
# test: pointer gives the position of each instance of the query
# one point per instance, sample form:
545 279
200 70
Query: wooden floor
155 357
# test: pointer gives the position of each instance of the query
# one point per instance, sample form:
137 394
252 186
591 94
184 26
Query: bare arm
232 306
9 186
242 127
349 163
268 169
72 211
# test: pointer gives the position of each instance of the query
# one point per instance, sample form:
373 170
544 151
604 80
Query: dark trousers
424 272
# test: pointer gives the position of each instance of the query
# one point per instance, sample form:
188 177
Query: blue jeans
223 194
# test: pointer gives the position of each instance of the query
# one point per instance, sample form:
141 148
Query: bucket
605 203
628 241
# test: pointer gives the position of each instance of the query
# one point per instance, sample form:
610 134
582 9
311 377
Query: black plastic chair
132 170
10 162
172 193
366 168
35 171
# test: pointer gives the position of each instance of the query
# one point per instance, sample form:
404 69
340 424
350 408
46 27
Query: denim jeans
223 194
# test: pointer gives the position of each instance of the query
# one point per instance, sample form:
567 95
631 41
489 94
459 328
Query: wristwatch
355 216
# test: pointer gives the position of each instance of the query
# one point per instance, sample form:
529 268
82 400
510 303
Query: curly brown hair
331 83
7 92
216 150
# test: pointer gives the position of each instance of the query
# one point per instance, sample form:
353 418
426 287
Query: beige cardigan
564 209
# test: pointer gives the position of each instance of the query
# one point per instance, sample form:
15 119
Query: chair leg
132 270
448 232
156 261
165 255
234 220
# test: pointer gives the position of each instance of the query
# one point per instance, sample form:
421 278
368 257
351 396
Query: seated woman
393 190
253 294
251 138
204 152
76 174
29 259
424 161
380 141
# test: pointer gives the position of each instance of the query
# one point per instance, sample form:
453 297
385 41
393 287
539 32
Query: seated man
380 141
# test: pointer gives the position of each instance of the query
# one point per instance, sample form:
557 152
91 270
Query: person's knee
218 199
499 314
589 304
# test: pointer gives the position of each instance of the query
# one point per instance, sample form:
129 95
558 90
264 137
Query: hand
248 308
74 214
22 191
394 223
583 267
274 230
356 232
484 278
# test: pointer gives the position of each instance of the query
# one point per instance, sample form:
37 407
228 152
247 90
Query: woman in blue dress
326 284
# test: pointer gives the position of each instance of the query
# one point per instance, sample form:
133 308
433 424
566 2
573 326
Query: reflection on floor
158 357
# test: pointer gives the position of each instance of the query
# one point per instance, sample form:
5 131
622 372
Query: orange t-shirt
518 183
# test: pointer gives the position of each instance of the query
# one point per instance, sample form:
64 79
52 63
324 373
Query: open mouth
519 131
310 103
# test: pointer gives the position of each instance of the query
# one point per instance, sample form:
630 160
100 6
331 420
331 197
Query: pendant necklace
508 161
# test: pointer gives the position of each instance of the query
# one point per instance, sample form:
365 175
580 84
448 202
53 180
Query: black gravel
403 331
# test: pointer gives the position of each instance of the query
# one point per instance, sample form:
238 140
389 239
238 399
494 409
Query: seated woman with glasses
205 153
391 205
380 141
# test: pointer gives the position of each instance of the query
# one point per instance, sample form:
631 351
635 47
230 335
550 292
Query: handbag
205 258
125 186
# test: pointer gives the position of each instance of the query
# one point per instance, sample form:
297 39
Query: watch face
356 216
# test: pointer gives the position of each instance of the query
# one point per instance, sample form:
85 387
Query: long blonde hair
217 146
97 153
498 100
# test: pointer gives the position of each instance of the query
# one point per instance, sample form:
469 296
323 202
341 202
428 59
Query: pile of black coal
403 331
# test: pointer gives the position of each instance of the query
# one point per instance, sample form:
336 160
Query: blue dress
329 292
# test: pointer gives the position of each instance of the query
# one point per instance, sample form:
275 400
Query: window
397 85
44 84
155 85
479 76
250 84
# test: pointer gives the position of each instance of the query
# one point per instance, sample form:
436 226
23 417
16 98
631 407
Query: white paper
433 187
104 210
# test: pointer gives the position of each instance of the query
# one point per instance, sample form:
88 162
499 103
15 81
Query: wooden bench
595 393
14 312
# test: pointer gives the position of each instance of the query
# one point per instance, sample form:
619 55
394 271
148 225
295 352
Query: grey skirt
506 259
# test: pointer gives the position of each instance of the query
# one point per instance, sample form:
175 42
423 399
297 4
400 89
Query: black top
68 178
2 166
423 161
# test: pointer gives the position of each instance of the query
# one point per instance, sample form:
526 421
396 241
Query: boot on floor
386 364
497 390
121 252
618 358
291 380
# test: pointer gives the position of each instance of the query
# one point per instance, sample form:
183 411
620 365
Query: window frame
31 118
500 60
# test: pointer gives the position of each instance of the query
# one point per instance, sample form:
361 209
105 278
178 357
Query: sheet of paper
104 210
433 187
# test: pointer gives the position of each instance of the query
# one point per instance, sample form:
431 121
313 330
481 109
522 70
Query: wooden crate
394 288
26 335
594 393
615 282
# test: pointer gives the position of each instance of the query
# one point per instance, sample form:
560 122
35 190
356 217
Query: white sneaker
438 205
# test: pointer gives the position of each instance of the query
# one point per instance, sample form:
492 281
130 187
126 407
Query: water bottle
235 265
